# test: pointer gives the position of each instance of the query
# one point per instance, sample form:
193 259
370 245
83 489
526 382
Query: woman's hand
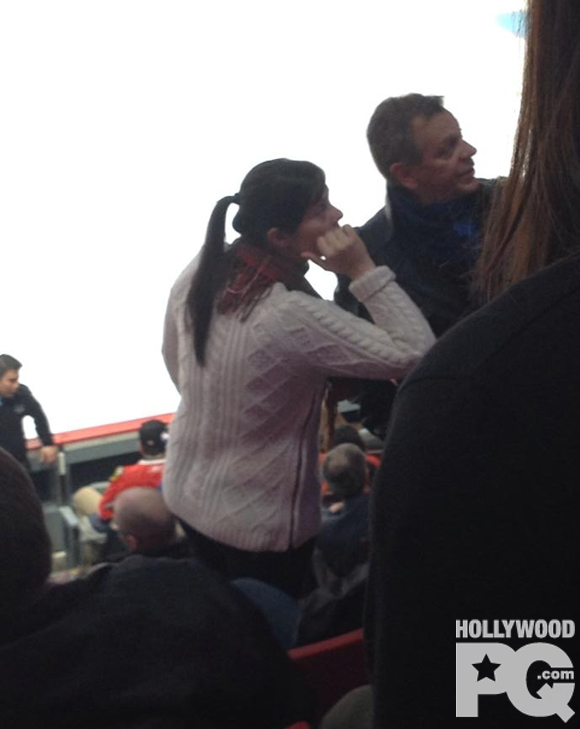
342 251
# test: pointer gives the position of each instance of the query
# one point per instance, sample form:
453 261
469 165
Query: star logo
486 669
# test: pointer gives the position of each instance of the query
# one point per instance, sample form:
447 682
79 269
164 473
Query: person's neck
422 205
284 261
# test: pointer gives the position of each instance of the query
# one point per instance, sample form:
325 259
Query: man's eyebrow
451 137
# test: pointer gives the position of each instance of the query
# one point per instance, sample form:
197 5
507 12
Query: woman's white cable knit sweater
242 459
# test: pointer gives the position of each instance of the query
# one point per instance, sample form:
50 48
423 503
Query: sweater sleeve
170 346
320 336
173 328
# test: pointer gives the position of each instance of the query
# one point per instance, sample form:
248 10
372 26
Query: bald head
25 549
144 521
345 470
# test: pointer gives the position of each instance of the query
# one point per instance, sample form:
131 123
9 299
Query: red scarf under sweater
254 271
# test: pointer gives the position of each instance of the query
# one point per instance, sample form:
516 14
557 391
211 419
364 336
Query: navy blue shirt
342 536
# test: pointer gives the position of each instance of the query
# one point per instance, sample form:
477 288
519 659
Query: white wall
123 121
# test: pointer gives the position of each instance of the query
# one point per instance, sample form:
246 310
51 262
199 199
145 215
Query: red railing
100 431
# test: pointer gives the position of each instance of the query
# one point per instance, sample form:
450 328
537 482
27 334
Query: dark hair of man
153 437
347 434
344 469
535 217
7 362
274 194
390 131
25 550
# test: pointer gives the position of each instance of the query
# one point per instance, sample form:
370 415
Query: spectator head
345 470
145 523
153 437
25 549
347 434
275 195
417 144
283 208
9 373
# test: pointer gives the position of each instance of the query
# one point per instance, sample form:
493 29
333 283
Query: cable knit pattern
242 458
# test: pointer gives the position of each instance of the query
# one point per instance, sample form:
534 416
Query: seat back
332 668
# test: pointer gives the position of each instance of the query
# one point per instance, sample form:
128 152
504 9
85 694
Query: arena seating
332 668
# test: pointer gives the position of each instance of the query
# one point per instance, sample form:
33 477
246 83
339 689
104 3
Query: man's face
9 383
446 169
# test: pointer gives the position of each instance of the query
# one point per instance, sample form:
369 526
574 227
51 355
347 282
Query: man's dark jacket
12 411
432 250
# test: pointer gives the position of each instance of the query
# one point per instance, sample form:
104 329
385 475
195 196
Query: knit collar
253 273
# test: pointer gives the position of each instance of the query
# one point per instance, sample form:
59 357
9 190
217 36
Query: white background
123 121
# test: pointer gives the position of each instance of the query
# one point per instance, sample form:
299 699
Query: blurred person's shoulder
528 317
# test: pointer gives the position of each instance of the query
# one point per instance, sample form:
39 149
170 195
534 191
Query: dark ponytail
209 277
274 194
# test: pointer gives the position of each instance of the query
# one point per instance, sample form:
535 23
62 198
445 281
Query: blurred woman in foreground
476 517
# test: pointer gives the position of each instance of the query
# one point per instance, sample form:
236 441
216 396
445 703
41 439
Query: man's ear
404 174
131 542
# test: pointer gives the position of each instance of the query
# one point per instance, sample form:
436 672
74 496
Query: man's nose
468 150
337 213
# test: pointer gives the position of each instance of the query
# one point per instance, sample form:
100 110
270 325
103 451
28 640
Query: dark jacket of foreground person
146 643
475 513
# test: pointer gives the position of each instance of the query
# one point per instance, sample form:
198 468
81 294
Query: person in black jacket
147 644
343 537
16 402
428 232
475 510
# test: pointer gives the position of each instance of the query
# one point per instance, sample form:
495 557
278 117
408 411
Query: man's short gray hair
390 131
345 470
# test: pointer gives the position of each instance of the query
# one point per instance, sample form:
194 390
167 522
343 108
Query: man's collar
396 192
388 207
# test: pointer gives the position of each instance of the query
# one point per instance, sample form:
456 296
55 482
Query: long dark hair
274 194
535 219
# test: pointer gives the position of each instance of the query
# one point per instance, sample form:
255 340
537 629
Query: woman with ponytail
250 347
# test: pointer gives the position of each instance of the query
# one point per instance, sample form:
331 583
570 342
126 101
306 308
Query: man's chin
468 186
